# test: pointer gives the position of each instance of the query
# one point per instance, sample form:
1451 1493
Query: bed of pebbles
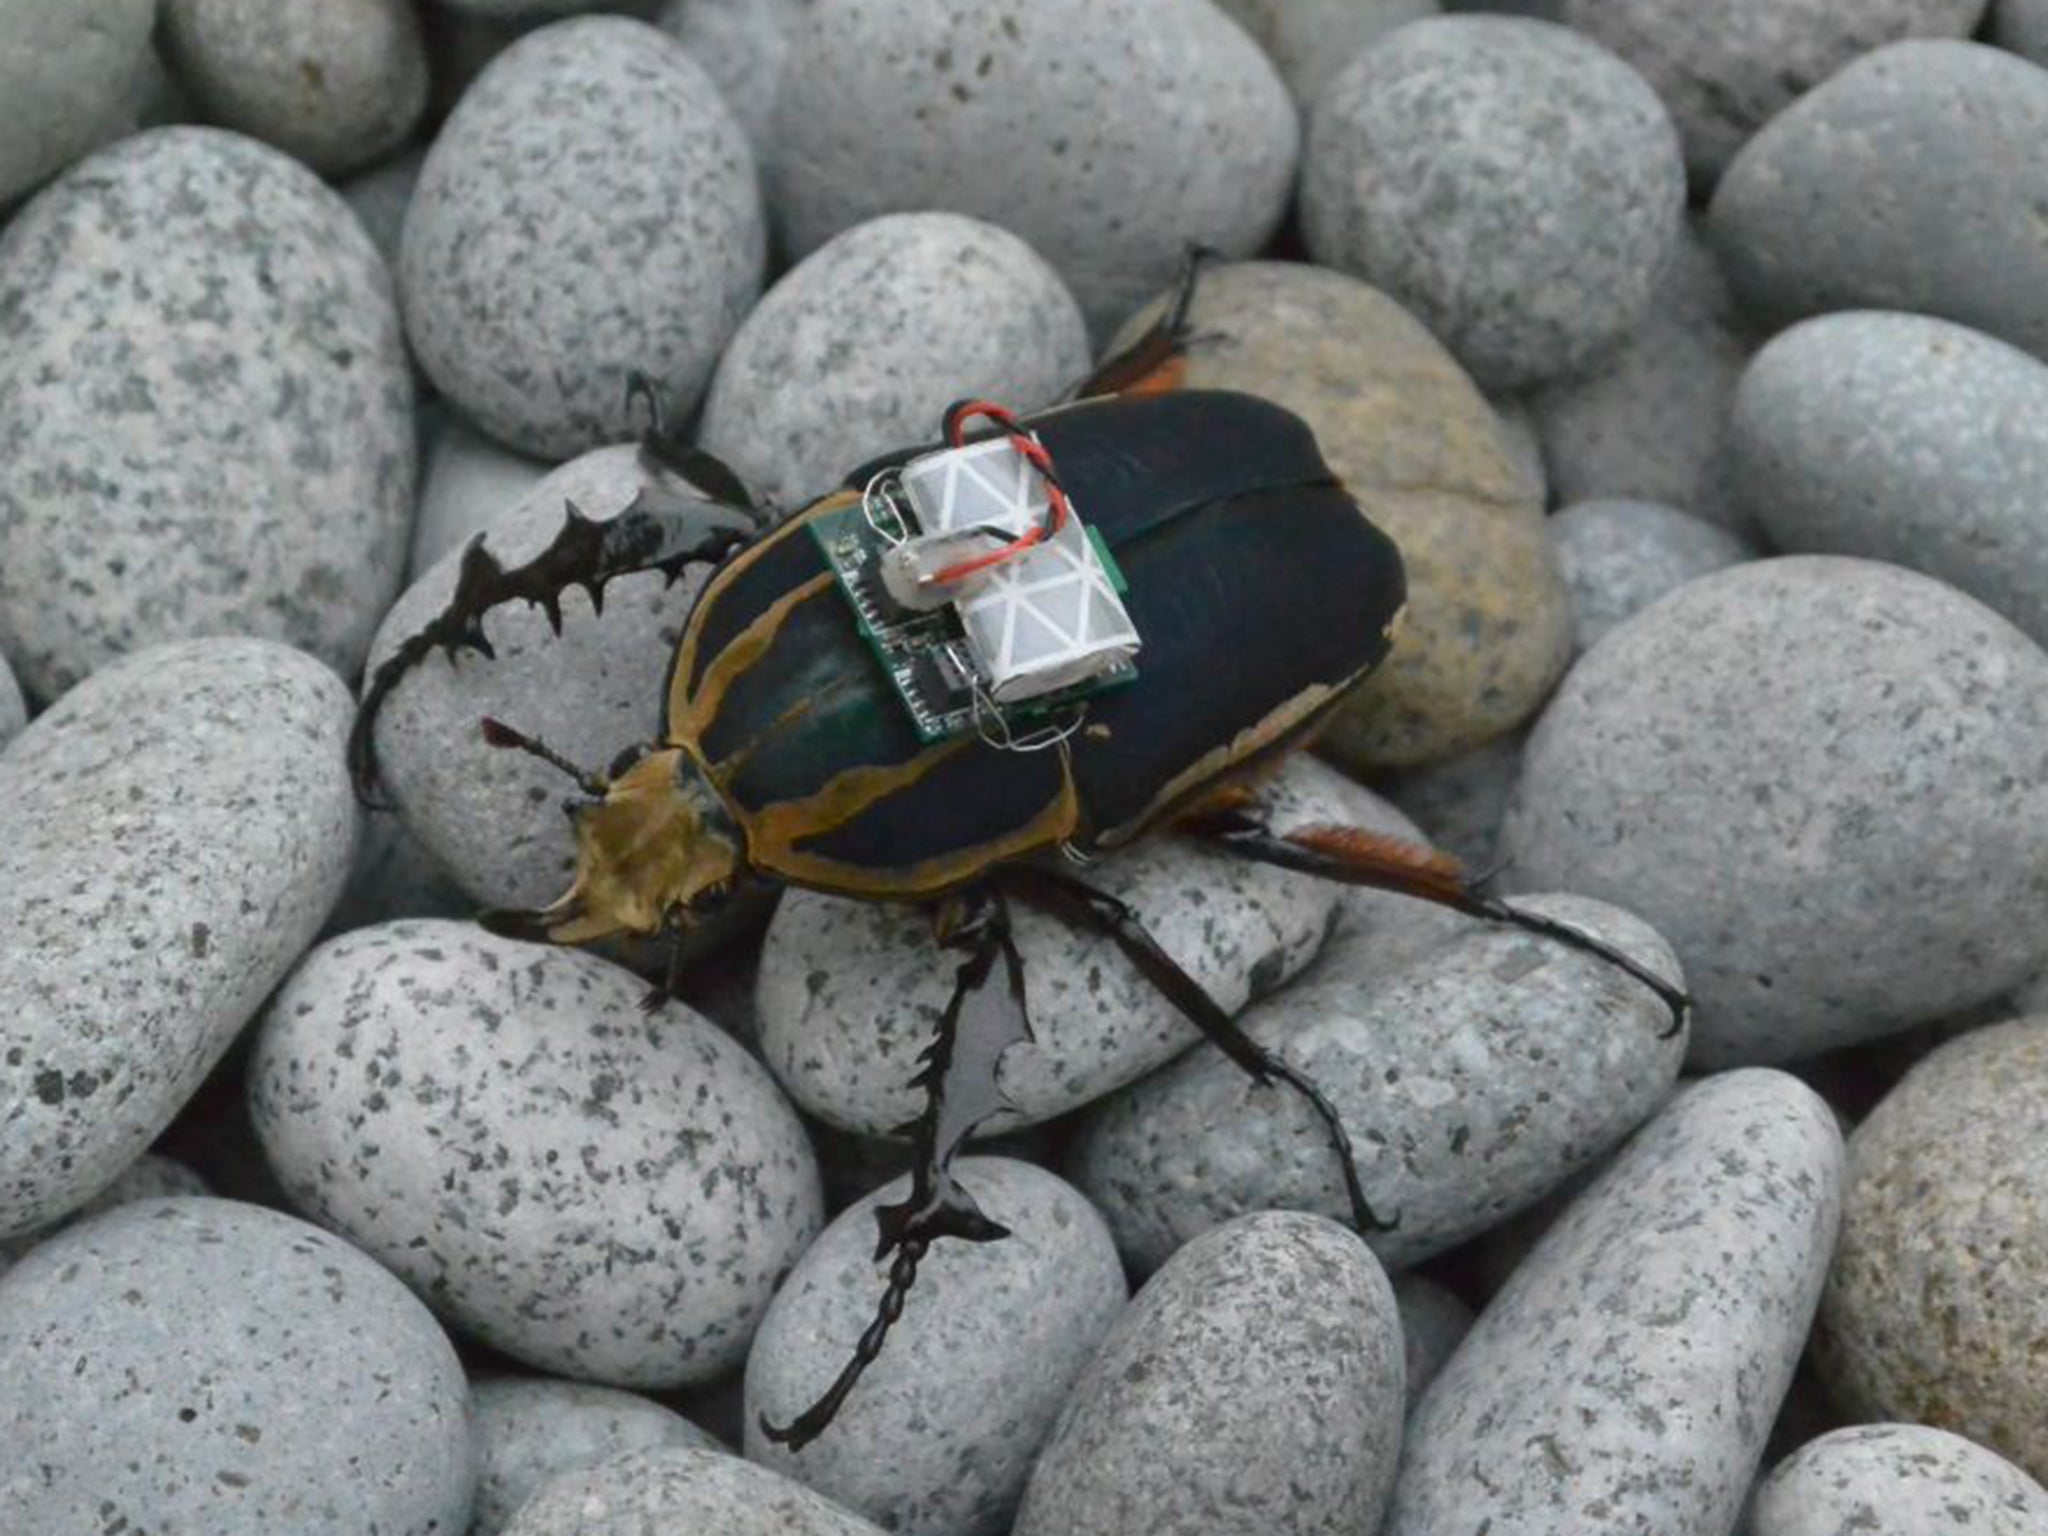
1697 358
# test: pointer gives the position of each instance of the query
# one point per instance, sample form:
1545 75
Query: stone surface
651 1493
69 74
2021 27
590 210
939 1436
151 1176
863 345
1625 1377
1254 1384
530 1430
334 83
394 876
1513 183
1434 1323
596 1191
467 483
1309 41
1472 1076
1830 205
1906 439
153 894
206 1365
1108 139
1621 556
1822 779
1939 1296
205 413
1726 70
13 707
1897 1480
742 45
1488 625
1524 445
379 198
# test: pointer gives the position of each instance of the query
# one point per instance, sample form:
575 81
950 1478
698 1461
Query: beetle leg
659 531
1152 365
1358 857
1069 897
984 1018
665 447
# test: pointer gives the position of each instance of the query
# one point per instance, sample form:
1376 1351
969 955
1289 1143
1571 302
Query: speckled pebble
1254 1384
467 483
1625 1377
1824 780
1309 41
1108 138
865 343
530 1430
939 1435
203 1365
1938 1299
13 707
1830 205
1907 439
742 45
850 992
334 83
1897 1480
589 210
205 413
1472 1076
69 74
1512 182
669 1491
591 1189
1621 556
153 897
151 1176
1434 1323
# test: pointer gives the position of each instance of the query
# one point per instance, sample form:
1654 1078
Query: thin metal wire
877 493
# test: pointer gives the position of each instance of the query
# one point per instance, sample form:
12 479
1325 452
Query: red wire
1034 453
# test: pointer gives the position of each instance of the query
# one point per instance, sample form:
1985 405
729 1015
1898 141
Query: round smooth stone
467 483
1646 421
1726 70
2021 27
644 1493
851 992
1434 1323
1897 1480
1177 130
151 1176
1513 183
1254 1384
154 887
1939 1292
1472 1076
594 1190
1628 1372
206 1365
1488 625
205 411
334 83
1309 41
1621 556
1830 205
380 197
530 1430
863 345
590 210
1819 778
939 1436
13 707
742 45
1907 439
69 75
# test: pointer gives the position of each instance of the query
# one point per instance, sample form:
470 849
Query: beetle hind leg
1155 362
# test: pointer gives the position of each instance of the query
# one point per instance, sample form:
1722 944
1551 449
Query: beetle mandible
793 752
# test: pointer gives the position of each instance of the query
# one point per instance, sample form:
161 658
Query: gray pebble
864 344
1621 556
204 1365
379 198
1471 1077
1906 439
1109 138
589 210
69 74
742 45
1897 1480
1625 1377
151 1176
594 1190
939 1435
205 412
1726 70
1524 443
1830 205
13 707
1309 41
1525 275
153 890
394 876
2021 27
1938 1299
530 1430
673 1490
1822 779
1434 1323
1254 1384
334 83
467 483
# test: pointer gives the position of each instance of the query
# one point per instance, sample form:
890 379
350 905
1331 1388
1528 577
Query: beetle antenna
499 734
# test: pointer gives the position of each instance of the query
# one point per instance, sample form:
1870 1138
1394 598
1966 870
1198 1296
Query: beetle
1263 595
